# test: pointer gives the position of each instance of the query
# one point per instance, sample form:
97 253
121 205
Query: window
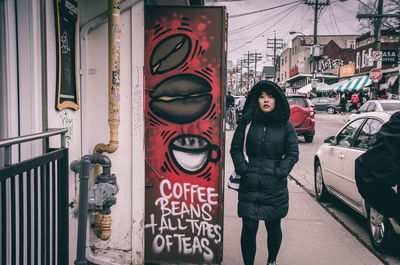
282 61
20 76
301 101
285 59
371 107
369 59
358 60
350 44
367 135
363 61
364 108
387 106
345 137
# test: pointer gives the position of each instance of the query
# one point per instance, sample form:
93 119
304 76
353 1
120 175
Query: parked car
311 105
302 116
388 105
334 174
329 105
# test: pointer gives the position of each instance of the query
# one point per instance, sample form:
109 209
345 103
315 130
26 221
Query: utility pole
316 51
274 44
377 20
247 61
254 58
248 71
241 74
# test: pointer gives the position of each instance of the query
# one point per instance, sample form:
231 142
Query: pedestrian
272 150
230 102
378 170
343 103
354 101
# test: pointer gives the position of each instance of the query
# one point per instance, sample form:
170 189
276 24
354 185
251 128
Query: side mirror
330 140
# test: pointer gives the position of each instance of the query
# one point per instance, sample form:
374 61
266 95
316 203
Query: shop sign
293 71
328 64
347 70
389 57
66 15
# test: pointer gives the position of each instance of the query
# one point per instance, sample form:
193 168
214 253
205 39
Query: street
303 175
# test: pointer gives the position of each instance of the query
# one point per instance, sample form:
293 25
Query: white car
334 173
391 105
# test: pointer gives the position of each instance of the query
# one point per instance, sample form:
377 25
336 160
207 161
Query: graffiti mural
184 64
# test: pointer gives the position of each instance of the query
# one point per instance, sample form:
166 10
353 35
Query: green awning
356 84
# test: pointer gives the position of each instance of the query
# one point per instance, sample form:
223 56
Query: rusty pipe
114 31
103 221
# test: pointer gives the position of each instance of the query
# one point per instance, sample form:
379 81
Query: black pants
248 239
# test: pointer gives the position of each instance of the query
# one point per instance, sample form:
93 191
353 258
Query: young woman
272 149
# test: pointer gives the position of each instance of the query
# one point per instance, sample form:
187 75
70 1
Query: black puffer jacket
272 148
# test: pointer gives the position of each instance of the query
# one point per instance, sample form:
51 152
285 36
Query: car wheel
320 190
380 231
308 138
330 110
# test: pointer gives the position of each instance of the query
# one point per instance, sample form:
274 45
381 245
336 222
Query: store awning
389 83
356 84
321 87
305 89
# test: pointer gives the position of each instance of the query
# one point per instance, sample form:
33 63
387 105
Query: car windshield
390 106
298 101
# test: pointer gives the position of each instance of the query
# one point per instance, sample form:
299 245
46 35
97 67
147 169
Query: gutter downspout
114 31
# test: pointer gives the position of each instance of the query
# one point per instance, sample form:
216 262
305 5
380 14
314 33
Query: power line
279 20
337 27
372 9
251 25
262 10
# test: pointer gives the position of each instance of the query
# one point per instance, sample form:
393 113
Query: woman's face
266 102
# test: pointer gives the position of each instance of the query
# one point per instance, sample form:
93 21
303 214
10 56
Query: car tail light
312 111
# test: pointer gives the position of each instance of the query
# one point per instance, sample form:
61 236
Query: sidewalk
311 236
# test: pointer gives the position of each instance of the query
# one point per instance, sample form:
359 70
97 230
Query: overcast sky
251 32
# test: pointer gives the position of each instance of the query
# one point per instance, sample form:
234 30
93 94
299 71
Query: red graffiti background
184 60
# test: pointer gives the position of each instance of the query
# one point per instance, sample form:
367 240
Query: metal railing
34 204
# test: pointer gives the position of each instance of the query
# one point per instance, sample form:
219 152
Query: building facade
297 65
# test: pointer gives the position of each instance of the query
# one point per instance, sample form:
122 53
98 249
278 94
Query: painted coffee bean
181 98
170 53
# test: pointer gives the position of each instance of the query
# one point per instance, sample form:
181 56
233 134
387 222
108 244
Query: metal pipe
31 137
103 222
83 208
113 78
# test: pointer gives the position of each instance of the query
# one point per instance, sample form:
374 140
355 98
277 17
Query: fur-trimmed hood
281 112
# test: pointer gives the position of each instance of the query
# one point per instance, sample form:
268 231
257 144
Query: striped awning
356 84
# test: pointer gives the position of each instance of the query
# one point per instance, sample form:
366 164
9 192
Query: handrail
7 143
31 137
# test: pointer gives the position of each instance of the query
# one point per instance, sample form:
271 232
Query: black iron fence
34 204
